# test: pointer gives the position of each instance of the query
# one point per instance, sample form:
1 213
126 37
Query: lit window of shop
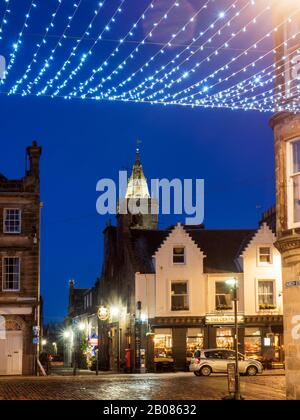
253 343
223 296
163 343
179 296
179 255
194 341
224 338
264 255
266 297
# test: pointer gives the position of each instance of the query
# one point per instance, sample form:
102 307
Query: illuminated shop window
194 341
224 338
163 344
253 343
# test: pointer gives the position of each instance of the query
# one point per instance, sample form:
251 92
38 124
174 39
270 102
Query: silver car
206 362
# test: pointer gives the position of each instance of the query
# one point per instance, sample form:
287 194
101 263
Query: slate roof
221 247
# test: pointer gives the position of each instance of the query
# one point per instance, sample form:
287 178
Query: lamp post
234 284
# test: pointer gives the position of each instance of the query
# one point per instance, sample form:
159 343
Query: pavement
164 386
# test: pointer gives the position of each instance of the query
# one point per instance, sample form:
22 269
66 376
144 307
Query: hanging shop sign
103 313
223 319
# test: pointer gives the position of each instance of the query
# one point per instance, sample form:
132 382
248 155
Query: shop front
260 337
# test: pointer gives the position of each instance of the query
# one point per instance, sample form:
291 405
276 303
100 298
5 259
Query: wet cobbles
143 387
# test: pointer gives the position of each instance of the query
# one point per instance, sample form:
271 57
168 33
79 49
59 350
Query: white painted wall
191 271
253 271
154 290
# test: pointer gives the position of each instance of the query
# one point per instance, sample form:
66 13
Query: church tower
286 126
138 210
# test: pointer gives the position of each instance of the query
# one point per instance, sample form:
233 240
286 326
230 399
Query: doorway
11 353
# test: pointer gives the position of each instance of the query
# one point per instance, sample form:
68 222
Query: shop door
11 353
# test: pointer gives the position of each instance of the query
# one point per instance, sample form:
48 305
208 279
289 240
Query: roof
221 247
145 243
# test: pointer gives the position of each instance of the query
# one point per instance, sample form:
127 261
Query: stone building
20 269
286 126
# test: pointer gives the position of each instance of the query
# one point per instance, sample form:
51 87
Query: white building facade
186 302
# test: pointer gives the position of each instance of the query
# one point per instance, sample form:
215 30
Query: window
223 296
224 338
294 182
163 344
179 255
194 341
179 296
11 274
266 294
253 343
264 255
12 221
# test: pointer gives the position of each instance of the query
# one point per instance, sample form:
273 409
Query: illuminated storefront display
253 343
224 338
194 341
163 345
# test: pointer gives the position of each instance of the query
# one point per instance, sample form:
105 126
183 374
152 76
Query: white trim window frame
179 255
186 296
12 217
293 183
11 274
264 254
274 302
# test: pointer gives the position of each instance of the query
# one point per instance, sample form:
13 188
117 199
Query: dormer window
12 221
178 255
264 255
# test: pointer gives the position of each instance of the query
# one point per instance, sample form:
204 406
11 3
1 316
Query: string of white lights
5 16
173 60
18 43
84 56
257 77
50 58
131 55
208 58
39 46
251 83
112 54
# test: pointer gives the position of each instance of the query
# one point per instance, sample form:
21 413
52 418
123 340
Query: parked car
206 362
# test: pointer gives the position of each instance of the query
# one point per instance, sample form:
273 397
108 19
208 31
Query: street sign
231 377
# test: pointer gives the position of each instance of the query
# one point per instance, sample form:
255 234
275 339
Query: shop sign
223 319
293 283
103 313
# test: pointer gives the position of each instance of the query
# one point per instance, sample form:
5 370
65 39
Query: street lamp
234 285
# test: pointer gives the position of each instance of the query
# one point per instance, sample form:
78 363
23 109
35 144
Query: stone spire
137 184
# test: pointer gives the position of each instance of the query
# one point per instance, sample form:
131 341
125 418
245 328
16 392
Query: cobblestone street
181 386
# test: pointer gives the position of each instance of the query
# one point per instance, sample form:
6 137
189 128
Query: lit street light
234 284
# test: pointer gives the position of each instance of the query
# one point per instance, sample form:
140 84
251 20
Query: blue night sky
84 141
